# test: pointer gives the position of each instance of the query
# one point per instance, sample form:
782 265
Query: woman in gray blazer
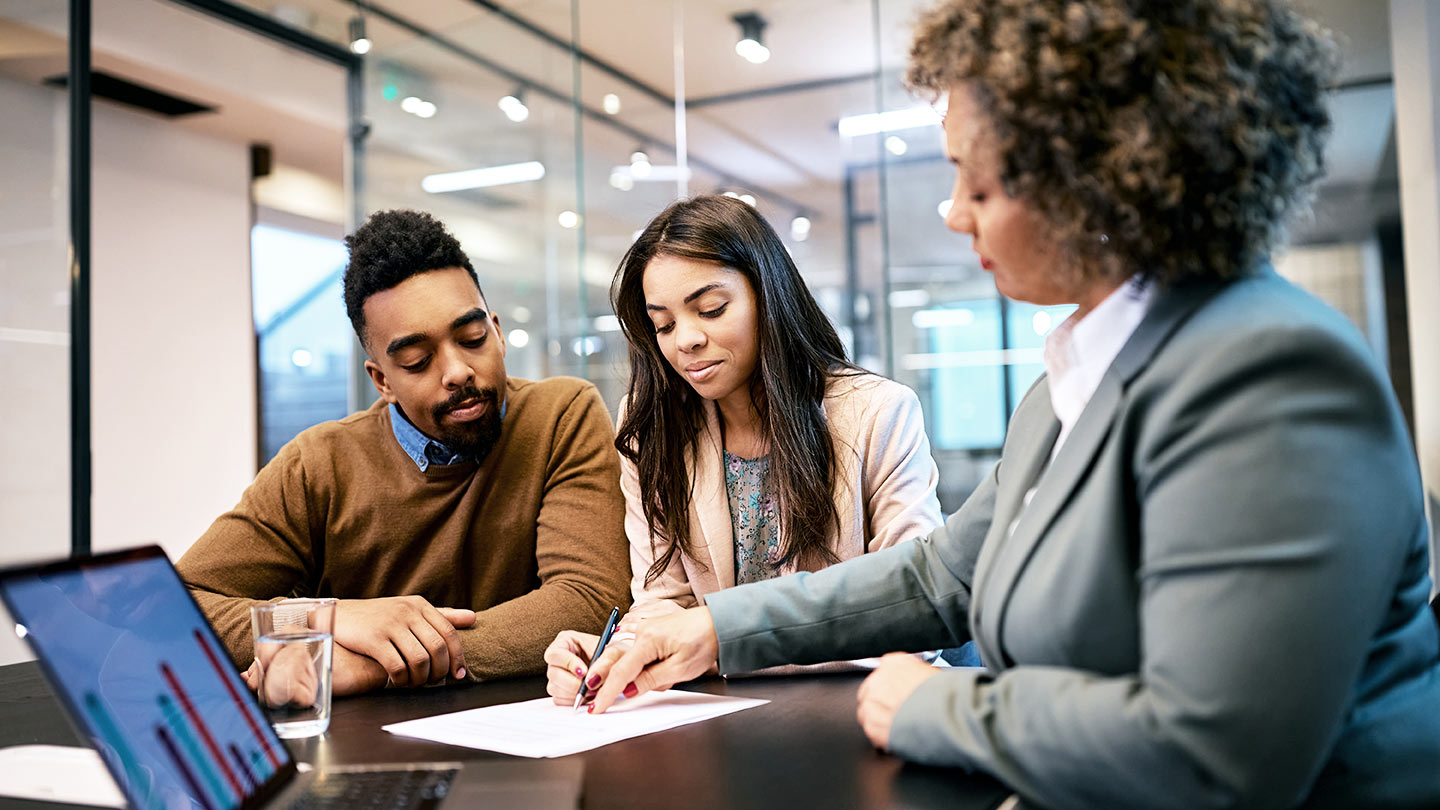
1198 574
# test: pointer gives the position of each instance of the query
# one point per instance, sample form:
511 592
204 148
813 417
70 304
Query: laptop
145 680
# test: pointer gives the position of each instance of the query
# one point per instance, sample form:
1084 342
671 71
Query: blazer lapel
710 500
1060 481
1027 450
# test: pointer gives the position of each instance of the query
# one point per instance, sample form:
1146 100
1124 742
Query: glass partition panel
34 289
454 87
303 337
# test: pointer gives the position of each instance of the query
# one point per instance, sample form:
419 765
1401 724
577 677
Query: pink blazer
885 493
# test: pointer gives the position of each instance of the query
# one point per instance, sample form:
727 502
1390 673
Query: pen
599 648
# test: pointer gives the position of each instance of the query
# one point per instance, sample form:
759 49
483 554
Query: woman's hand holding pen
567 660
667 650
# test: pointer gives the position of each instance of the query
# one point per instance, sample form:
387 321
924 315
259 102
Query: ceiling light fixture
625 177
800 228
418 107
640 166
484 178
611 103
751 45
514 107
852 126
896 145
621 179
359 43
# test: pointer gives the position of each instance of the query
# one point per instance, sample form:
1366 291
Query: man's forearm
353 673
509 639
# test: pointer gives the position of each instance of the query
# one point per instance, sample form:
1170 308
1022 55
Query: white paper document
58 773
541 728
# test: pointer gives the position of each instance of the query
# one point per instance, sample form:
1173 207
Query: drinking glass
293 645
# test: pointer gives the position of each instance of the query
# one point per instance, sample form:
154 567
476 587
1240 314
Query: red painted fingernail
579 672
593 681
590 709
631 691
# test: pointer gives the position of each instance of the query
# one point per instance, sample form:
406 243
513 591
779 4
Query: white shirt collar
1079 351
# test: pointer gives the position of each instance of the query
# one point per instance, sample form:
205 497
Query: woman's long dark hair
799 352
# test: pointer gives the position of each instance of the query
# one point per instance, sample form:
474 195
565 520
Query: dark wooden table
801 750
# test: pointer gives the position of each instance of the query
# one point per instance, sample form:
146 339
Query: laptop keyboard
376 790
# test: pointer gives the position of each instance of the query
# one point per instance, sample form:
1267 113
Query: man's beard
475 438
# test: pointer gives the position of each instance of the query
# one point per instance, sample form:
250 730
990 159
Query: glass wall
596 115
34 289
302 334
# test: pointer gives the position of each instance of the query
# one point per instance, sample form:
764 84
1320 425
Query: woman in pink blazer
750 446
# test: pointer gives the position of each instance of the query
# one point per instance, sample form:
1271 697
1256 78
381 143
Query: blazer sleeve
1271 481
909 597
671 591
900 475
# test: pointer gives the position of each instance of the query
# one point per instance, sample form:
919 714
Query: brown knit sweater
533 540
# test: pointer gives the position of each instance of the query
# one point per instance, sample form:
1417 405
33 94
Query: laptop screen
145 677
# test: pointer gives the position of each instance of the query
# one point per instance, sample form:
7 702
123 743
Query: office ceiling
741 134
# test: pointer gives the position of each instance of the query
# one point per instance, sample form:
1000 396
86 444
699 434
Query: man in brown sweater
463 520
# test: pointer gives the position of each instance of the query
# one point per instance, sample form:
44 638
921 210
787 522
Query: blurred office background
235 142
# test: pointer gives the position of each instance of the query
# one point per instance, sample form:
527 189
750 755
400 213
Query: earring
1104 239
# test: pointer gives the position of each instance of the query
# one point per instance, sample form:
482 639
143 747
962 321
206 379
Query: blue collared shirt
422 449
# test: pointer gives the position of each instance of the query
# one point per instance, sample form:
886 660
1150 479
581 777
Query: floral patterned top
752 518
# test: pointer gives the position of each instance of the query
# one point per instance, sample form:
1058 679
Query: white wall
172 334
172 341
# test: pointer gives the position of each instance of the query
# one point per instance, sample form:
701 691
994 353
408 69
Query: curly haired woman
1197 576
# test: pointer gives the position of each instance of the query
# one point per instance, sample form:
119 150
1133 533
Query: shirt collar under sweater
422 449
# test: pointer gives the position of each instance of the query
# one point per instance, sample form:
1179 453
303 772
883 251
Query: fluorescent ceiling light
651 173
484 178
937 318
852 126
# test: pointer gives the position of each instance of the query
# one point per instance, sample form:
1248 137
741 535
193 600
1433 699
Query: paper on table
57 773
540 728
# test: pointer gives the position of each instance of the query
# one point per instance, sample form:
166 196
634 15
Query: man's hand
415 642
350 674
286 677
355 674
882 692
668 650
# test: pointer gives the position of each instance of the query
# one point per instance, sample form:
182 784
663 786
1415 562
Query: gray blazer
1216 598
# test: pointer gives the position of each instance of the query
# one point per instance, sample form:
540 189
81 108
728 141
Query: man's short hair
391 247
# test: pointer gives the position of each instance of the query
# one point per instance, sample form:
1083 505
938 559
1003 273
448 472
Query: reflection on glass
304 335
